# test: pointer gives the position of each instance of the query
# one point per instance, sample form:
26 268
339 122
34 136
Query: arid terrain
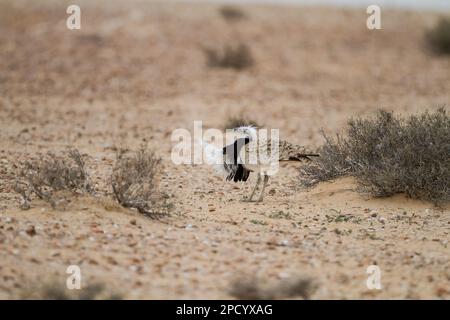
136 71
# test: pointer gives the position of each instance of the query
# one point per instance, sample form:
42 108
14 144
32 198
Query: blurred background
401 4
137 70
297 63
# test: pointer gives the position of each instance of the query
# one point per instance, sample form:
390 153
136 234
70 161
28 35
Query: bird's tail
293 152
213 156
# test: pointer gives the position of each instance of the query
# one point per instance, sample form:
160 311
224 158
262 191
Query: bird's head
246 132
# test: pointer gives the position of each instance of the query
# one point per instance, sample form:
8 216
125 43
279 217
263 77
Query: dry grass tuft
252 289
55 290
134 182
438 38
50 176
237 57
232 14
390 155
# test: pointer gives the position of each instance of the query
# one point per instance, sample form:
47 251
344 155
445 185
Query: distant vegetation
253 289
232 14
388 155
236 57
50 177
56 290
134 182
438 38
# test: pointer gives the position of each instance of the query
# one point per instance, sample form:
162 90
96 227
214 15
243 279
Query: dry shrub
332 163
134 182
252 289
389 155
438 38
56 290
235 122
232 14
237 57
52 177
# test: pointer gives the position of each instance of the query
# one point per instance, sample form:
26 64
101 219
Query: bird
250 153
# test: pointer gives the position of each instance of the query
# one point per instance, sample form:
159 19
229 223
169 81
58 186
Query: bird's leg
256 187
266 179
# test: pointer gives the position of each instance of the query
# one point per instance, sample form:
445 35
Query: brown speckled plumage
286 151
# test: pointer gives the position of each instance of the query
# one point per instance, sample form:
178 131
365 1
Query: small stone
133 268
132 243
133 222
34 260
112 261
31 231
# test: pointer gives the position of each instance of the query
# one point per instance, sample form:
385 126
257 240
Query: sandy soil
136 71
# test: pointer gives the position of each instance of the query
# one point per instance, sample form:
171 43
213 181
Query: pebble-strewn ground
136 71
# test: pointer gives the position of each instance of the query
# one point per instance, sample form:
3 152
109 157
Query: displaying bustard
250 153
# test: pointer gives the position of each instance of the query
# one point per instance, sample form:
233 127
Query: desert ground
136 71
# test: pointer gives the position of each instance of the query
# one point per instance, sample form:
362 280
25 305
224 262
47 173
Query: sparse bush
50 175
390 155
232 14
332 163
134 182
234 122
56 290
233 57
252 289
438 38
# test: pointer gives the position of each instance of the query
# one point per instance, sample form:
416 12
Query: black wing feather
237 172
